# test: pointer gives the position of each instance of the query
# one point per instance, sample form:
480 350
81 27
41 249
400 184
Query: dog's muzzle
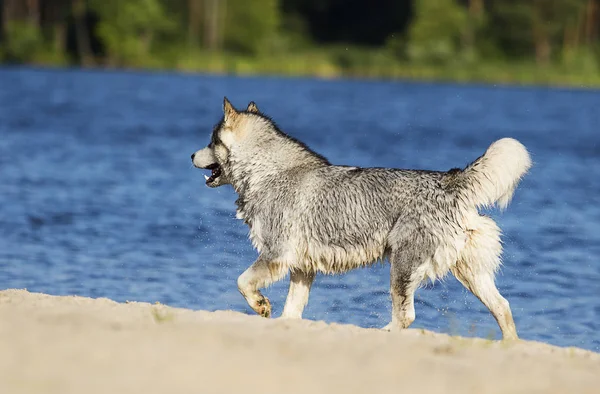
206 160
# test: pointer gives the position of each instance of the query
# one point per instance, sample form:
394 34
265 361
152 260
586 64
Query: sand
64 345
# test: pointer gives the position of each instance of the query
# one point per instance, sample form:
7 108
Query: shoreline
71 344
546 78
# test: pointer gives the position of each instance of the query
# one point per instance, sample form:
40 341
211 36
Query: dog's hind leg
405 277
482 285
261 274
476 267
300 283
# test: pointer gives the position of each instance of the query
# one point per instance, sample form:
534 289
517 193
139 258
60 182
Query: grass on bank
357 63
350 62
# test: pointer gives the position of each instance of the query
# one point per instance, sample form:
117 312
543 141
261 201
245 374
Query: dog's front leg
300 283
261 274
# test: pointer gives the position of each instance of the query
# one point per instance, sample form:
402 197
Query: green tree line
498 40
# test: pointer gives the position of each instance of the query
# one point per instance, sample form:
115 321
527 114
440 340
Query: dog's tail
492 178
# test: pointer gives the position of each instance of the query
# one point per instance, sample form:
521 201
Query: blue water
98 196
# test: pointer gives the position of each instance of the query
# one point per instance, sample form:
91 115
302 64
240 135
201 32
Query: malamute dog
306 216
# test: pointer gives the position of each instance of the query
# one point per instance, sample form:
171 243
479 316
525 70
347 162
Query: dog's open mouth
215 173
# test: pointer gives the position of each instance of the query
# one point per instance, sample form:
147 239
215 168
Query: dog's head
231 131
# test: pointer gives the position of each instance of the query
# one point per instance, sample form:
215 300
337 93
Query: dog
307 216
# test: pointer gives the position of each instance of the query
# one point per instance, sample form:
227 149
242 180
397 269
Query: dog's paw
392 327
263 307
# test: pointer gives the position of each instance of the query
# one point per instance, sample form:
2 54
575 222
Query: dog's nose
193 155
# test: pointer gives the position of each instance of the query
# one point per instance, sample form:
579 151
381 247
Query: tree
250 25
437 30
82 33
535 27
592 16
194 21
21 33
33 11
128 28
56 22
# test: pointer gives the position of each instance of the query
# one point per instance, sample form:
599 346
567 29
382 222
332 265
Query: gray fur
308 216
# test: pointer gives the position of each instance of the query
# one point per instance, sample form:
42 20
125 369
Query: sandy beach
63 345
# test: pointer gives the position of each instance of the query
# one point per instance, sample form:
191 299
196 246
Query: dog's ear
253 108
228 109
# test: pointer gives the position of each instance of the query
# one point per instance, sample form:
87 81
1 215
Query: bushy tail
492 178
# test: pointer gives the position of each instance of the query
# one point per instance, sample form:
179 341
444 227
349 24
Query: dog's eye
217 141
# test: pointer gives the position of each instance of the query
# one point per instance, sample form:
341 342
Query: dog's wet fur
308 216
